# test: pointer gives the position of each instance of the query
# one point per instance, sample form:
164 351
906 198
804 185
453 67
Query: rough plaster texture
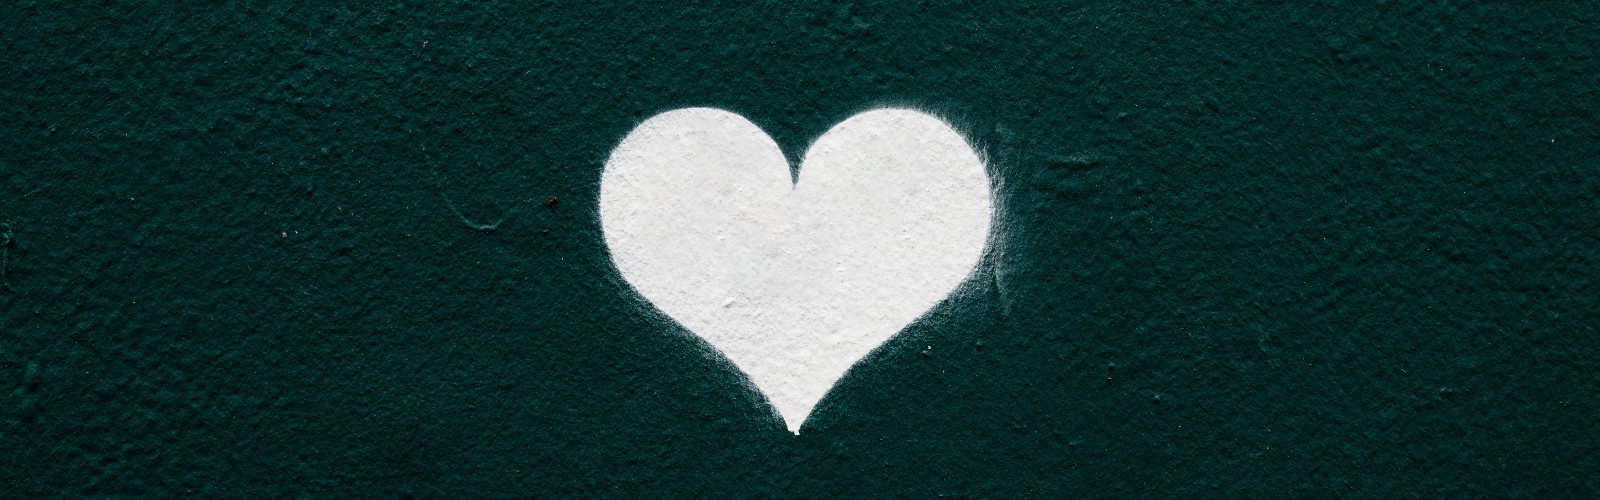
794 281
1253 249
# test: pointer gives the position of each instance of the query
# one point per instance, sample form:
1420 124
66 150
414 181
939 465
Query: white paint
794 282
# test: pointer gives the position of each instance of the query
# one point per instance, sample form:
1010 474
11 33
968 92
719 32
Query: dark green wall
1249 249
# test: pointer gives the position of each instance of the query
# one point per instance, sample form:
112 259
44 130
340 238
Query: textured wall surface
1249 248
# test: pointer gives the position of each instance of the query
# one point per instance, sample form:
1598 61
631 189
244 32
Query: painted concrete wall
1247 249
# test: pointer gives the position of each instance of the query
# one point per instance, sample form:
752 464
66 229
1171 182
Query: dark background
1246 249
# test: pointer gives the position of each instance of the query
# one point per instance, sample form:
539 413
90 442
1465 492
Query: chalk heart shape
795 280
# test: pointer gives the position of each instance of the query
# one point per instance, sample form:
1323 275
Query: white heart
794 281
